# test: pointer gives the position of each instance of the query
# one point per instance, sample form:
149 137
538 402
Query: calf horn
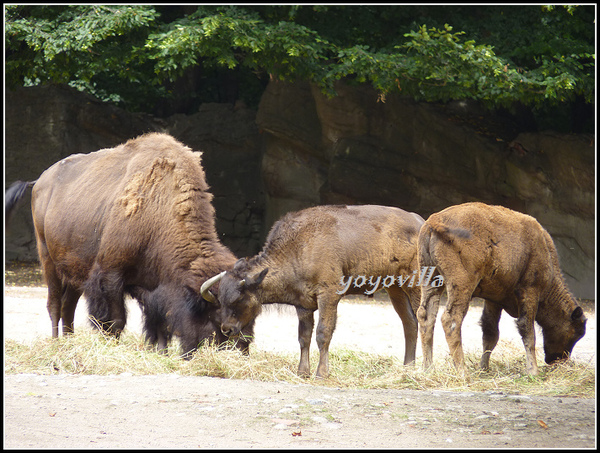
205 288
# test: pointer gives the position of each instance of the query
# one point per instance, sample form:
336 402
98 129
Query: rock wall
302 149
46 124
355 148
232 149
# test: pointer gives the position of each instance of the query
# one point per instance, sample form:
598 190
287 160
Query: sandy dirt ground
171 411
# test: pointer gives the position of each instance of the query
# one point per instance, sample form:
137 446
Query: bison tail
13 195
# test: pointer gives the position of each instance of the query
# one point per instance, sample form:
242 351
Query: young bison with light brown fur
307 261
509 260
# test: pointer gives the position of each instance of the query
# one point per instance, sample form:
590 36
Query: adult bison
509 260
309 260
136 219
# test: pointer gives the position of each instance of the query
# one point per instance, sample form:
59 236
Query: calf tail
445 232
13 195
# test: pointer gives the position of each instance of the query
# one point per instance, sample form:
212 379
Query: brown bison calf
309 260
509 260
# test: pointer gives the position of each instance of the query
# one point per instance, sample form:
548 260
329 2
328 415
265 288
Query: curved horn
205 288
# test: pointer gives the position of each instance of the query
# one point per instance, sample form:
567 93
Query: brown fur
305 256
134 219
509 260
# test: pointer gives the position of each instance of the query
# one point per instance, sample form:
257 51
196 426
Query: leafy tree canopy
500 55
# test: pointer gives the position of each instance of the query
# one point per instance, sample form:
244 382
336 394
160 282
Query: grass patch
507 375
91 352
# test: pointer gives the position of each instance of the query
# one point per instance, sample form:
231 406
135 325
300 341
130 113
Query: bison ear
256 279
577 314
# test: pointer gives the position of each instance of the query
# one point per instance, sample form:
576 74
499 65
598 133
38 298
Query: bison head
238 296
560 340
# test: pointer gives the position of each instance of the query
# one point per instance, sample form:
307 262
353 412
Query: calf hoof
322 374
427 364
409 361
461 372
303 373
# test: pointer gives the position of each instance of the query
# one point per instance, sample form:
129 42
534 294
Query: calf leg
427 314
526 327
452 319
327 320
306 322
489 326
401 302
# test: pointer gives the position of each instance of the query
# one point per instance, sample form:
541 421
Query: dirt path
171 411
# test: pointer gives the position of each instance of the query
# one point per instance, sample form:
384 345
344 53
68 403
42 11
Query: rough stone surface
302 149
46 124
231 153
424 158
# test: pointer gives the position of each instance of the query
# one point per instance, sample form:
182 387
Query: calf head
560 339
238 297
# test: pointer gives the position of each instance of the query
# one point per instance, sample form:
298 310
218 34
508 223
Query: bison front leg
106 300
306 322
490 318
161 344
426 315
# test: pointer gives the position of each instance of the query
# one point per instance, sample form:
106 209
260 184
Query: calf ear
240 263
577 314
258 278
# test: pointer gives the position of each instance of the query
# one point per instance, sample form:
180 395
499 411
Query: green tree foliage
78 45
533 55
